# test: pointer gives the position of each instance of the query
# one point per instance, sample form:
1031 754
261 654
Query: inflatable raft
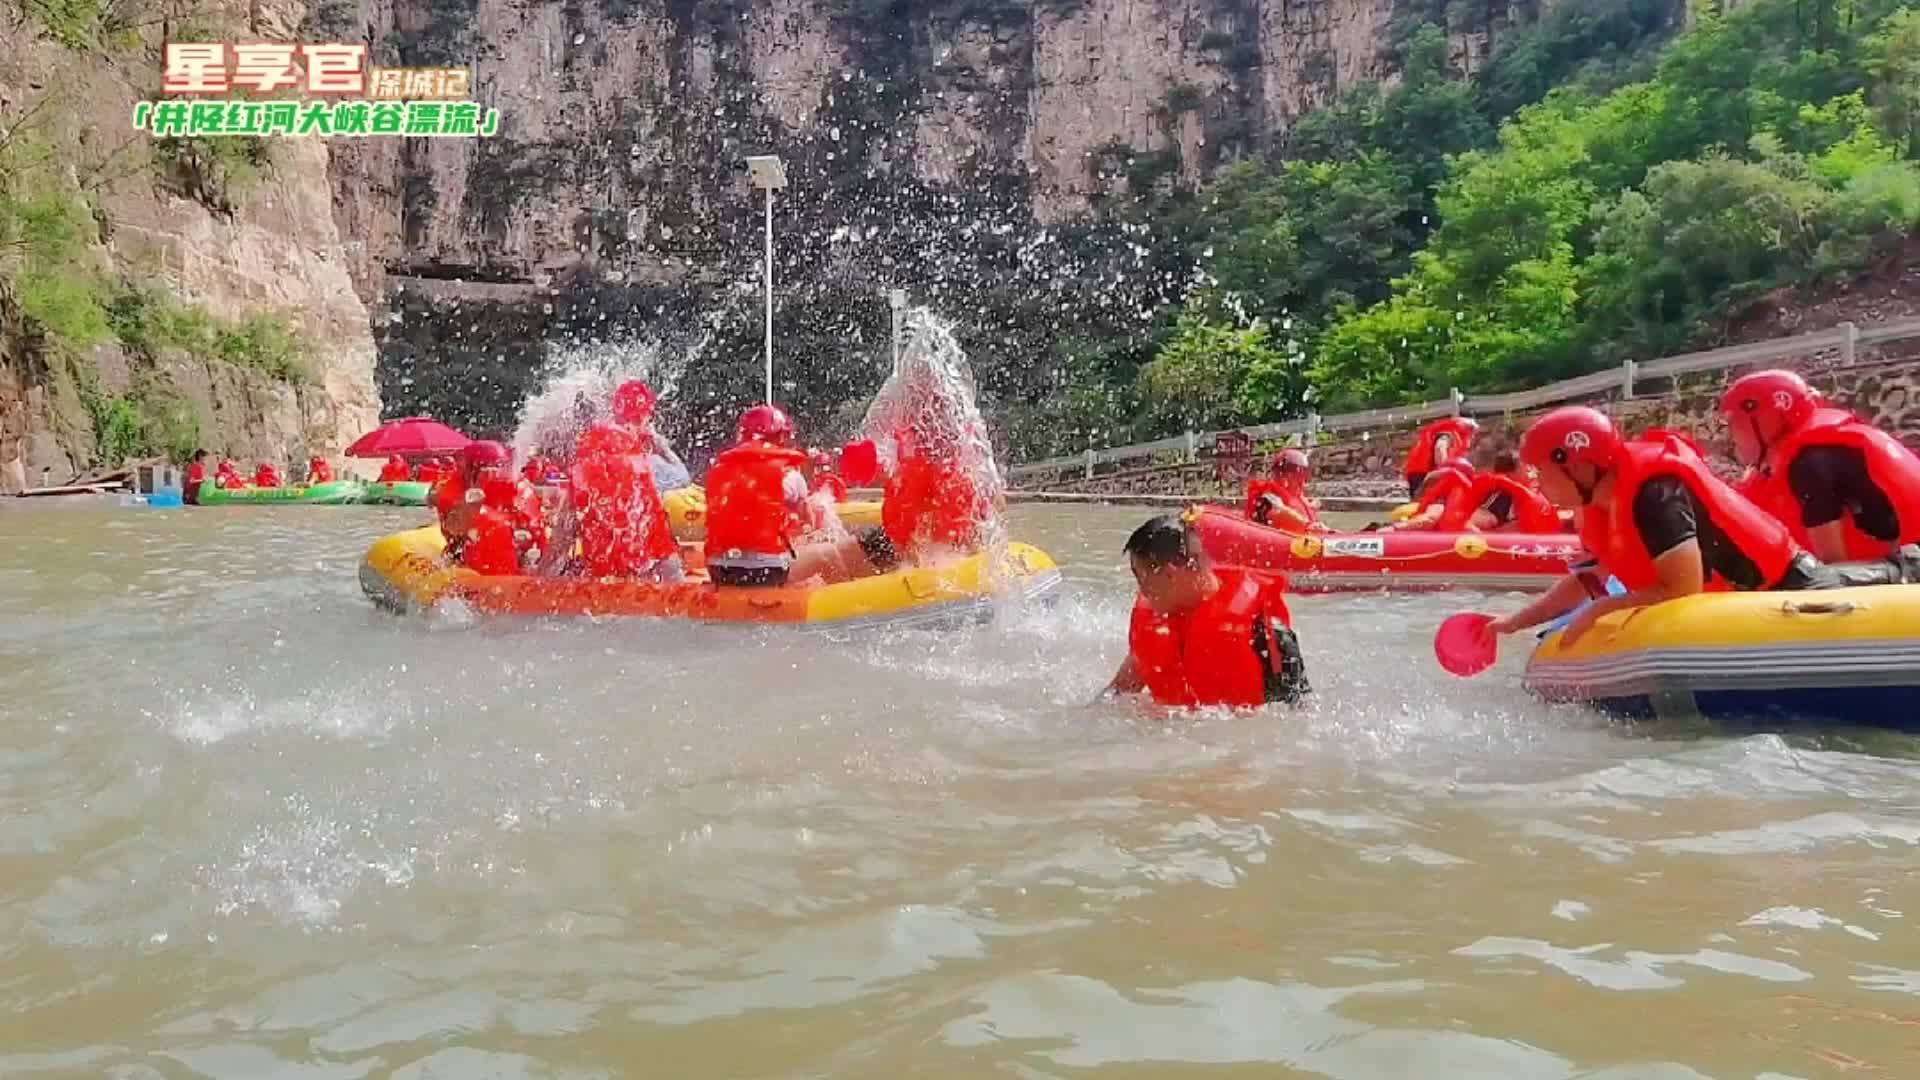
1391 561
404 573
398 493
331 493
1846 656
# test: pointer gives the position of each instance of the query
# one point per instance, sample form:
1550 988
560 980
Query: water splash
576 390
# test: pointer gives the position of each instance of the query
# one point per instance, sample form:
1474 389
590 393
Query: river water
250 827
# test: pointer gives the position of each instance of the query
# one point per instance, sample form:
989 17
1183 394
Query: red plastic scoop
1464 647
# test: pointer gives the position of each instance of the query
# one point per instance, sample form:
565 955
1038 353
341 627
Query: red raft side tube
1393 561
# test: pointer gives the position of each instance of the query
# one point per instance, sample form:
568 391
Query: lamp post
769 175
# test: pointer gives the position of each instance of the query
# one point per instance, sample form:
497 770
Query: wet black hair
1164 541
1506 461
197 455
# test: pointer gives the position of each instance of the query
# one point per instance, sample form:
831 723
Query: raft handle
1819 607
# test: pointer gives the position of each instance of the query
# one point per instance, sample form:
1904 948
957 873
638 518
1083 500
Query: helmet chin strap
1585 490
1765 447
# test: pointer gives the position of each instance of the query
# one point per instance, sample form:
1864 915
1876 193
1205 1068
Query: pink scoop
1463 646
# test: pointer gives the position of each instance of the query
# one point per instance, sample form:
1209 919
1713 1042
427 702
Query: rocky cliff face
946 146
275 249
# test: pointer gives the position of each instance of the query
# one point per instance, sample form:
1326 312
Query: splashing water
931 394
577 392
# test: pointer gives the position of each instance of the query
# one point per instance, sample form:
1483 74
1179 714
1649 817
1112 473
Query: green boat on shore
331 493
398 493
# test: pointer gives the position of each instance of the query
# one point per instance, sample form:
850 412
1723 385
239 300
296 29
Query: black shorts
878 548
748 577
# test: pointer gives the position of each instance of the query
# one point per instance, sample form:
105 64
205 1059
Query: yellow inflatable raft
687 509
1846 656
404 572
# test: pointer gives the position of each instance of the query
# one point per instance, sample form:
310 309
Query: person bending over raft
319 472
1444 484
1500 500
1202 635
1281 499
196 476
1435 445
1846 489
1652 514
396 471
756 502
266 476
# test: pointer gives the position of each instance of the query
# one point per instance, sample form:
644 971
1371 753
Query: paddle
1464 647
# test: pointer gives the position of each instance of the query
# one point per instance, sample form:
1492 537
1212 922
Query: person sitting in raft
437 470
823 480
396 471
228 475
1281 499
757 504
1845 489
1202 635
1445 483
493 523
196 476
615 511
319 472
266 476
930 506
1652 514
1500 500
1442 441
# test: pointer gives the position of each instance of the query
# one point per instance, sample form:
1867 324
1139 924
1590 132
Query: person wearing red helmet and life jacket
228 475
1444 440
396 470
756 502
1652 514
435 471
1846 489
824 479
492 522
266 476
1500 500
613 506
1280 500
1446 482
319 471
1202 635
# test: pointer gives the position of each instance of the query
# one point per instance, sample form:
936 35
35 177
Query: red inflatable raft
1391 561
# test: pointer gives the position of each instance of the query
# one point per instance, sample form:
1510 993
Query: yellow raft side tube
1748 620
405 572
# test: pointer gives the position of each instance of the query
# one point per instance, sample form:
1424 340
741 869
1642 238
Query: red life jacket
267 477
1292 499
747 512
190 487
319 472
624 527
490 546
832 485
1893 468
395 471
1259 487
1420 458
930 502
1610 534
1443 483
1532 513
1206 656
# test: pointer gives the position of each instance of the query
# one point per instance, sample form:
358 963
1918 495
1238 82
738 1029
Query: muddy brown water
250 827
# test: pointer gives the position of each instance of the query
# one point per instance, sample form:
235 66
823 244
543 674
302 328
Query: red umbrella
410 437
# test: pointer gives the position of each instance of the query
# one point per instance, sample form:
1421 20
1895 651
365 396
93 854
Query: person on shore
266 476
1845 489
1280 499
1445 440
396 470
1652 514
196 477
756 502
1202 635
1501 499
319 471
1445 483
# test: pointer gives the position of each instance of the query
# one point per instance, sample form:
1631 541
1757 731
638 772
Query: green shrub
216 172
265 343
148 319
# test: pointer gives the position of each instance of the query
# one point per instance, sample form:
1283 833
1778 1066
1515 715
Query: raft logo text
407 102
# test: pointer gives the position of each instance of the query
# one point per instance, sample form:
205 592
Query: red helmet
1290 459
633 403
1779 394
480 454
820 458
767 423
1574 435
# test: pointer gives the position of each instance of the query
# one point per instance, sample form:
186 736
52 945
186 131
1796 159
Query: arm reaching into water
1125 681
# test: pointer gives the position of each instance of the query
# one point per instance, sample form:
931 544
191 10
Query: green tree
1195 380
1893 58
